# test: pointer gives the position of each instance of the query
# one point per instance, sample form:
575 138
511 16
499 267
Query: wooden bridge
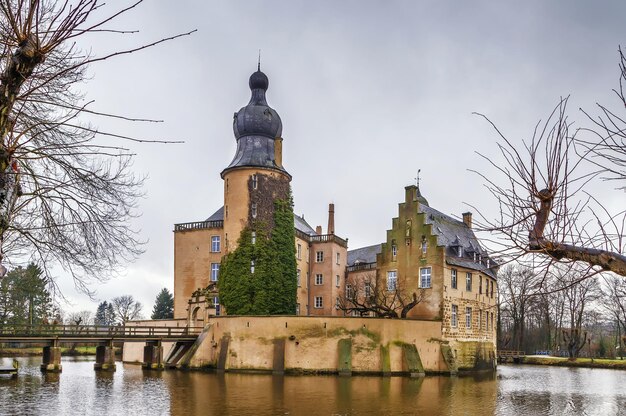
510 356
55 335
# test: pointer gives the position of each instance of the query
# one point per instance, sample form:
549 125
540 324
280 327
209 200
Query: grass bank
579 362
36 351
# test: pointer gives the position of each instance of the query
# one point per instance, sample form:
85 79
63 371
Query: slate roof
302 225
217 216
298 221
364 254
453 233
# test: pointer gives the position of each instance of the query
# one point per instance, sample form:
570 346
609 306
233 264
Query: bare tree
544 191
79 318
369 294
66 188
126 308
517 287
579 295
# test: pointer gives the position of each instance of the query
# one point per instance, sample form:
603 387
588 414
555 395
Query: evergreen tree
104 314
163 306
24 297
260 278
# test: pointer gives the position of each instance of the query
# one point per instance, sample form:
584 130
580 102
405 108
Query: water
514 390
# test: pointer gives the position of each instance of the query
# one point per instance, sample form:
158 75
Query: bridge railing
510 353
88 331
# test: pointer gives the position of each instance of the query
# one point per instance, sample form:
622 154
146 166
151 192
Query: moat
513 390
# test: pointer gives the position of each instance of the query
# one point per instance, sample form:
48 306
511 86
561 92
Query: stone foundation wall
330 345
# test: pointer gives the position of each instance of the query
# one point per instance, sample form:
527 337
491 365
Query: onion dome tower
256 176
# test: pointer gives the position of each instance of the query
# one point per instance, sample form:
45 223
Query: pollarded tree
163 306
544 189
66 189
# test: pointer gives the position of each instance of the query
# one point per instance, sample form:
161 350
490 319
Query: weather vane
417 179
259 65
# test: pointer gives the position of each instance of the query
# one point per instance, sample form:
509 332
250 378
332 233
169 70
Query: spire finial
259 64
417 179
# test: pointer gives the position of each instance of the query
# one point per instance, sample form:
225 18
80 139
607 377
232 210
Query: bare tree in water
67 192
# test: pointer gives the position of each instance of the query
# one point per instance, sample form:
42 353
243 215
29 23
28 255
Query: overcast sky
368 91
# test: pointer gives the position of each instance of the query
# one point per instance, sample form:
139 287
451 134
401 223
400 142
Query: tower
256 176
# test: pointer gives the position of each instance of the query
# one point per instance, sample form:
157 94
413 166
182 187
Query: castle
430 266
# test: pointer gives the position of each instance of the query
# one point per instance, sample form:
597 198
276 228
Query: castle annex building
427 257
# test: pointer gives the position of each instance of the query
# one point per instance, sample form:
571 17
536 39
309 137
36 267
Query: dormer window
474 257
460 251
488 263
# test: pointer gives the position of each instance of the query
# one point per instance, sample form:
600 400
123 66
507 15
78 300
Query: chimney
467 219
318 230
331 218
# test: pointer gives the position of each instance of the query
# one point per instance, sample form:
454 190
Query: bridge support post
51 362
105 357
153 356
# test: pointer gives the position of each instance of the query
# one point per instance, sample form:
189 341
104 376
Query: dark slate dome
257 118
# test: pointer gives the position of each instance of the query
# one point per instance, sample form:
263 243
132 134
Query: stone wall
330 345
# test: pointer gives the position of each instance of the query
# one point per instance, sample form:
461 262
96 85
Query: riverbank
38 351
579 362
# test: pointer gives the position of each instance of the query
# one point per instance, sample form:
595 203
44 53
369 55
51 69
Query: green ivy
271 289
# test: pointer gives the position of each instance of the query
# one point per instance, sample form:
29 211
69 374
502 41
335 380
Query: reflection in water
523 390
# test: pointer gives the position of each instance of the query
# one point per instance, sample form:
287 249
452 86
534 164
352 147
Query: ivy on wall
259 276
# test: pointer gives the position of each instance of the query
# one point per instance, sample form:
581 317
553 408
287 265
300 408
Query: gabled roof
453 233
364 254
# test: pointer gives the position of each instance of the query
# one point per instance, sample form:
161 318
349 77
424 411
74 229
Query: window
215 244
216 303
468 281
298 273
492 321
394 251
319 279
338 280
252 266
319 256
349 292
392 280
453 281
319 302
215 271
299 252
425 277
480 285
424 246
307 280
454 317
254 181
337 302
297 309
487 320
468 317
492 288
253 210
253 237
368 290
460 251
226 211
226 185
338 257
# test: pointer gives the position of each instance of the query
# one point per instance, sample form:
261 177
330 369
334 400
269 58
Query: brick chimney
331 219
318 230
467 219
